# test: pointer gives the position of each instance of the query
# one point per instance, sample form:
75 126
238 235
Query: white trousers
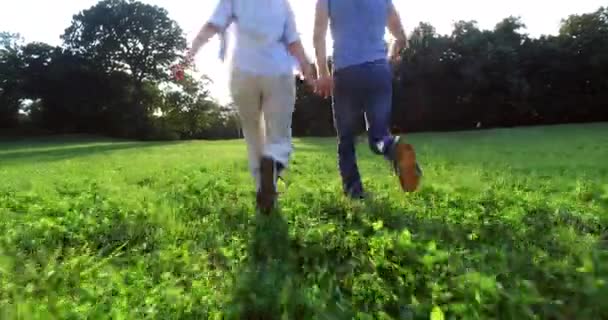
265 105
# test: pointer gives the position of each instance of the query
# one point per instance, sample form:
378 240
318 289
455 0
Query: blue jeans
362 89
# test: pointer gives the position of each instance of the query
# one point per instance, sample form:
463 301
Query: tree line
474 78
110 76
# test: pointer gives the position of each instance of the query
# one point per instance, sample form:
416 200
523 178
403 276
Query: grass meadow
508 224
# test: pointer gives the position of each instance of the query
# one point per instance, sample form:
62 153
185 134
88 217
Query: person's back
358 29
261 35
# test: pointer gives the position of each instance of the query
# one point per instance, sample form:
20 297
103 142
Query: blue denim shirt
358 29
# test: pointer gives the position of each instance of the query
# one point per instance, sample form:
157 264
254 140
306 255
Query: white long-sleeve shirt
263 30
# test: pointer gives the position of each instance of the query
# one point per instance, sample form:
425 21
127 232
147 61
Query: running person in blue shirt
362 83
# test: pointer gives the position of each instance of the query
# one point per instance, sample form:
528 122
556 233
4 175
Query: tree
36 58
107 79
585 39
71 95
188 112
10 68
128 36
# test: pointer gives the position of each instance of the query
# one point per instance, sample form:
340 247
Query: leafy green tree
72 95
189 112
106 79
36 58
128 36
585 37
10 69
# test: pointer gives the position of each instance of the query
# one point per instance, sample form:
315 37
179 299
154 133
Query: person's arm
218 22
292 39
395 27
320 37
296 49
204 35
324 86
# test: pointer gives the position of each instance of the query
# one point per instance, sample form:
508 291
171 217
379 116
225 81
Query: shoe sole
405 157
267 194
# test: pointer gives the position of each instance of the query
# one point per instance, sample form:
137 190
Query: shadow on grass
287 277
272 284
64 153
274 280
261 286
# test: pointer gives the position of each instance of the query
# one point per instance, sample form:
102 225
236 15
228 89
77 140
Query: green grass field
508 224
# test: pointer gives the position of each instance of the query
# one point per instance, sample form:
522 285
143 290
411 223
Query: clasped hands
322 85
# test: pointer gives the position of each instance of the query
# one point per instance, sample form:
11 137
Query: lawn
508 224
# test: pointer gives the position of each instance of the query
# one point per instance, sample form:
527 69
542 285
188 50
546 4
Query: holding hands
324 86
307 74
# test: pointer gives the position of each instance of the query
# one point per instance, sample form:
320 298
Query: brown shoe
267 194
405 165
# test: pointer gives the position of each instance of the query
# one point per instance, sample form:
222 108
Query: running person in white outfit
262 82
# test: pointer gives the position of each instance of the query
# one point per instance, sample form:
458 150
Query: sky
45 21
